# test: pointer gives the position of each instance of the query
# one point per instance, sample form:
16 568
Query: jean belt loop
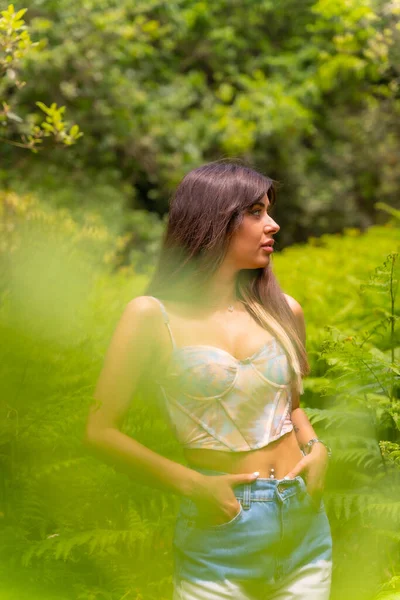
246 496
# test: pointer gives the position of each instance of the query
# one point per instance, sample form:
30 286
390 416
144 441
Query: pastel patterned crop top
216 401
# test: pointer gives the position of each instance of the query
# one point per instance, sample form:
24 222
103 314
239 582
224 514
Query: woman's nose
271 224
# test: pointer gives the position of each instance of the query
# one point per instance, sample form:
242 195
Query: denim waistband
262 489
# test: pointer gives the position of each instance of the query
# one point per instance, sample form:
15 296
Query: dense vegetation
72 526
308 93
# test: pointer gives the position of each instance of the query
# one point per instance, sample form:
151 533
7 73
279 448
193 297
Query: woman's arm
134 344
301 425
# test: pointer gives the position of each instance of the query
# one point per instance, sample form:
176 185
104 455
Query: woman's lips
268 249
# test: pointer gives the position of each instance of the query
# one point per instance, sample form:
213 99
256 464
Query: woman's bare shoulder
294 304
143 305
142 317
298 313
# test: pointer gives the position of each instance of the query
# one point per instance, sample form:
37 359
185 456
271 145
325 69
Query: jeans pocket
190 516
234 519
318 507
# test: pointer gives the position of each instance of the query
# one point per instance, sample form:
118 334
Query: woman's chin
258 264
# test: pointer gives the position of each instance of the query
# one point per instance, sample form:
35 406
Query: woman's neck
219 295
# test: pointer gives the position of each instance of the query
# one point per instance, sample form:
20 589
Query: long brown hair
206 209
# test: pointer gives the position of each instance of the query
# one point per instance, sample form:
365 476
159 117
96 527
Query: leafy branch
15 45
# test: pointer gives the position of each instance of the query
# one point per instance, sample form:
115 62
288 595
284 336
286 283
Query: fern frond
62 545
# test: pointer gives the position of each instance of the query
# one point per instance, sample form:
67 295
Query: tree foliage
15 45
306 91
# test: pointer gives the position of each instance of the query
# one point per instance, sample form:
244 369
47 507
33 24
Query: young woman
227 349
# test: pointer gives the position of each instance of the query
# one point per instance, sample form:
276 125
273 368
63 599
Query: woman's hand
215 499
313 467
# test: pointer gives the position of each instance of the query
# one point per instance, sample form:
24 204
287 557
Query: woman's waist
281 456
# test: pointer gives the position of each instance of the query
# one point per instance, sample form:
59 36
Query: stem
28 146
392 301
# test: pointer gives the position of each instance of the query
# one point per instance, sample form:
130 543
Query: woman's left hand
313 467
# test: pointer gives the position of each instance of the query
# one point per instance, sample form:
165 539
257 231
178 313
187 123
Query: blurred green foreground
73 527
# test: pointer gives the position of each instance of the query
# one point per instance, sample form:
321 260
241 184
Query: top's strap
165 319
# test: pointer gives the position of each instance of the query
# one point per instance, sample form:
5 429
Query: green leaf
43 107
20 13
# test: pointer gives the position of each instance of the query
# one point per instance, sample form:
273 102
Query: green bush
73 527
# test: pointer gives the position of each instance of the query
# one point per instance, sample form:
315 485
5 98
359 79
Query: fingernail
256 473
286 477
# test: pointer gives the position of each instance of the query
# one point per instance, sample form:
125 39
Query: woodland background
104 107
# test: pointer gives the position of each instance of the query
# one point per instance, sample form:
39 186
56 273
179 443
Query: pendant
230 307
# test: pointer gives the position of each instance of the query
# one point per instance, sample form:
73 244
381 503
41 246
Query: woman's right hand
215 498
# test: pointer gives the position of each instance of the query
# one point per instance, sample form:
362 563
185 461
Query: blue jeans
277 547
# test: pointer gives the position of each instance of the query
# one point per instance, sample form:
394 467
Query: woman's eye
257 212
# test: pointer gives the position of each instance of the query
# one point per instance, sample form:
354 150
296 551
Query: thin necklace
230 307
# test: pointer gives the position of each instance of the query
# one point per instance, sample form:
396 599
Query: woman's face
246 250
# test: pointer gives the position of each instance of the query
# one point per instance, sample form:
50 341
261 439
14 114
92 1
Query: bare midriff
281 455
